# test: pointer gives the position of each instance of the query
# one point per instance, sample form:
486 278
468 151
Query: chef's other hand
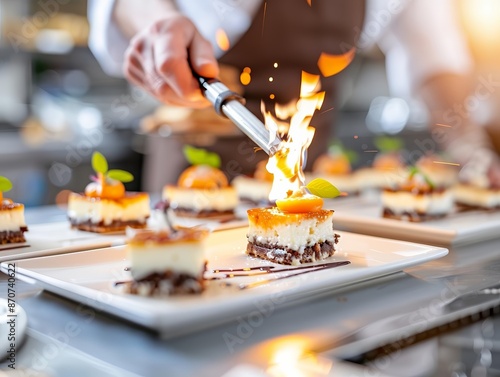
159 59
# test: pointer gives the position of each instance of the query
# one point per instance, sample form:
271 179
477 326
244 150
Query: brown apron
292 34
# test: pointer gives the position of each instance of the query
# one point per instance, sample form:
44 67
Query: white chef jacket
420 38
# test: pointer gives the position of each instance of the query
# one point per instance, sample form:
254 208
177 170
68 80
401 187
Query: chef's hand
159 59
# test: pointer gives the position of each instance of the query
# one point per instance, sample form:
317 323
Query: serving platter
364 215
90 277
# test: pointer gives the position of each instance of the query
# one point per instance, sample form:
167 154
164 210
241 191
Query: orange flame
286 164
222 39
330 65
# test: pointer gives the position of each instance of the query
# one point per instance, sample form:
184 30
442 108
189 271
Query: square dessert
106 206
12 224
291 238
167 262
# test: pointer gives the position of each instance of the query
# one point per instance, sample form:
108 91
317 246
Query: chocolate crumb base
279 255
100 227
186 212
463 207
413 217
13 236
166 284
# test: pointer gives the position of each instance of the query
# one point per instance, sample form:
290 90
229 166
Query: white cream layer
12 219
224 199
431 204
476 196
181 257
107 211
295 236
253 189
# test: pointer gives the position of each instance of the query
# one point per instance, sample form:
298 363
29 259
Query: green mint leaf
99 163
413 170
5 184
387 144
120 175
322 188
199 156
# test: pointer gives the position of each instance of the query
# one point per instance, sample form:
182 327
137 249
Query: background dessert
256 189
417 199
388 168
105 206
12 224
202 190
336 167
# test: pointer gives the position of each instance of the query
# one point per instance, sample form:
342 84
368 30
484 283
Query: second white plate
459 228
89 277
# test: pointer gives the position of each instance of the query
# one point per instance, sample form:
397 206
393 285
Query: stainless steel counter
342 324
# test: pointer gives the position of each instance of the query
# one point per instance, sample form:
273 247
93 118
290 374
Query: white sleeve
108 44
106 41
210 16
424 39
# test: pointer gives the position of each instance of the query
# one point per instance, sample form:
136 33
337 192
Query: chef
155 44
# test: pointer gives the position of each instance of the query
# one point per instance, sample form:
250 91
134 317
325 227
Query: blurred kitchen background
57 105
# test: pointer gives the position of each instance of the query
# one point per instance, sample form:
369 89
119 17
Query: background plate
57 238
89 277
364 216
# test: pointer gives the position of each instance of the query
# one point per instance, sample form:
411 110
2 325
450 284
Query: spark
371 151
446 163
356 136
275 65
327 110
271 79
264 17
272 96
443 125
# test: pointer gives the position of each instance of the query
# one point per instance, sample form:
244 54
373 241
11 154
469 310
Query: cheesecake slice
103 215
12 224
202 191
417 199
472 196
165 263
256 189
291 238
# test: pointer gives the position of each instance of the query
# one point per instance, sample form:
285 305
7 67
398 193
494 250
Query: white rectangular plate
56 238
458 228
89 277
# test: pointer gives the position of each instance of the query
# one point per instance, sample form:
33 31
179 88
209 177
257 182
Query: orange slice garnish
300 204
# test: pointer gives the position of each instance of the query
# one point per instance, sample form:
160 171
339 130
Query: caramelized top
164 237
9 205
270 217
105 188
202 177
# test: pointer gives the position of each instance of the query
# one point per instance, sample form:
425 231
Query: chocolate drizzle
168 283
